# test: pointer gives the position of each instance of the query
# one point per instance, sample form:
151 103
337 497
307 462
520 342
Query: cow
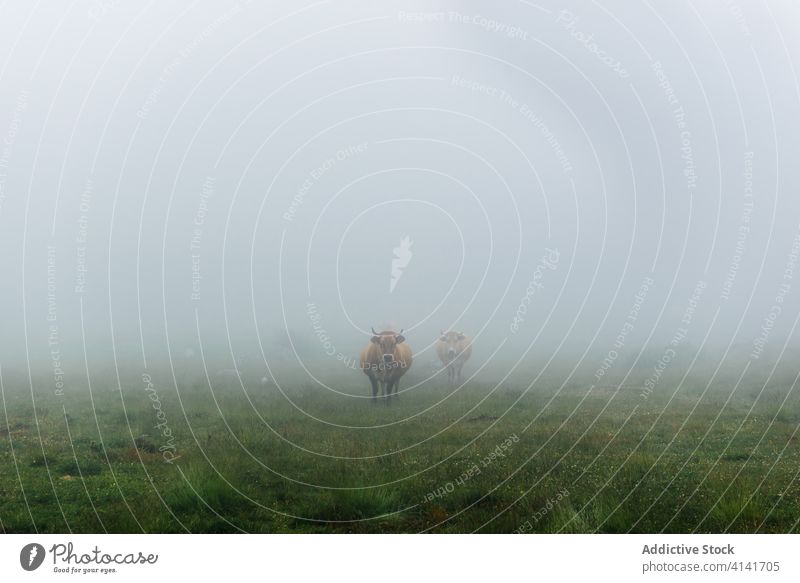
453 349
386 358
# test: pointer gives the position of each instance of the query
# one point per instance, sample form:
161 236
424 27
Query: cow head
452 340
387 341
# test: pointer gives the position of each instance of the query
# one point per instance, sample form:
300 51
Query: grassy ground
601 460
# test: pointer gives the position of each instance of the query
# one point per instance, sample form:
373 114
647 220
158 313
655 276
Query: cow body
454 349
386 358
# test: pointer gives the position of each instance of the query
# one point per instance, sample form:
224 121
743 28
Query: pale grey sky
190 164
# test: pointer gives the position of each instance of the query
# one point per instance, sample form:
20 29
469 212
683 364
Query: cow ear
399 338
374 339
443 338
461 337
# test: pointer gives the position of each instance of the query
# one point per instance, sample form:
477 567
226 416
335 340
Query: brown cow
386 358
454 349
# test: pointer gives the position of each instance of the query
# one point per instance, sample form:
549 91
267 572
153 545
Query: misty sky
186 177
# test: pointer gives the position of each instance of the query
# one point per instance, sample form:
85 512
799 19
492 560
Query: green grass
290 473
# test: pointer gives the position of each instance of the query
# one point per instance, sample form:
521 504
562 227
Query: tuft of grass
351 505
202 488
738 507
145 443
87 467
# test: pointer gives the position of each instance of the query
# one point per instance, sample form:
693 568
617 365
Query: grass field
578 460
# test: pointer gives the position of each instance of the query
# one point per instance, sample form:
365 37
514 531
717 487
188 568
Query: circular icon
31 556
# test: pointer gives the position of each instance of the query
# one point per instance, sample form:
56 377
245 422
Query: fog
597 187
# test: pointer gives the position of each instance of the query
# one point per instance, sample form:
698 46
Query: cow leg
374 383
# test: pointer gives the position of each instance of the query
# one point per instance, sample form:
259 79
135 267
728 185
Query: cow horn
373 332
401 330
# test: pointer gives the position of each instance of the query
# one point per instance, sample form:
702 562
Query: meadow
484 458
